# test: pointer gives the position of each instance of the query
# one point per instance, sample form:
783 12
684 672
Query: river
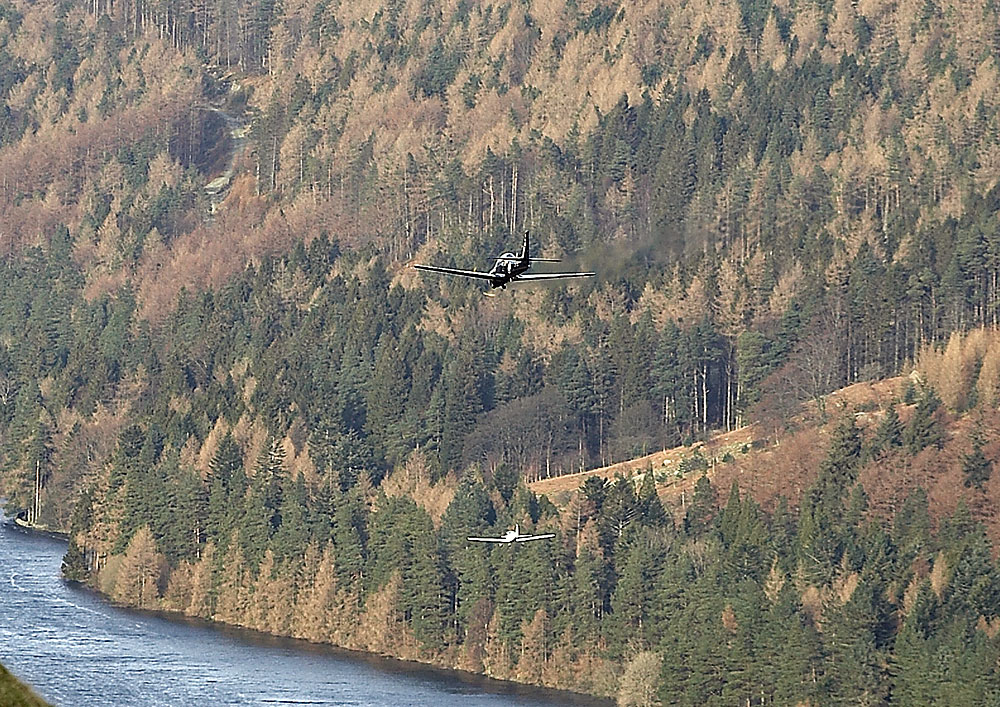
74 648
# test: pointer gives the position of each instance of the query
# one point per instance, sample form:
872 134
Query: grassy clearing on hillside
14 693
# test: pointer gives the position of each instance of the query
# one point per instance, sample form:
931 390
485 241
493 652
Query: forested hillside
235 392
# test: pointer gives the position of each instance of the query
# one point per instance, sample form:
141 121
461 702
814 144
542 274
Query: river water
76 649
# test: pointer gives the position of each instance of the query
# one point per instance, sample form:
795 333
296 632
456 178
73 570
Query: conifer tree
269 480
348 540
889 434
227 460
628 602
140 572
798 651
702 508
923 429
651 511
587 595
975 466
74 563
218 511
254 526
857 635
291 537
461 403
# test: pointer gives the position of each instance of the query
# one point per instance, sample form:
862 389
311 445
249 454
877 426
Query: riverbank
45 530
378 661
75 634
14 693
382 661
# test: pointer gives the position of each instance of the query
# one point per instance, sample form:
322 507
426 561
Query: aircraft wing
455 271
543 536
551 275
488 540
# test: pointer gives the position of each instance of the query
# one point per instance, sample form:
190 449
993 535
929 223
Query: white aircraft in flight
513 536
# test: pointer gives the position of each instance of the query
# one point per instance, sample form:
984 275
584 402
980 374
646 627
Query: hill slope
843 532
14 693
233 405
773 464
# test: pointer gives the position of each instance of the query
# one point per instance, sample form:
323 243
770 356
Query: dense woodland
247 407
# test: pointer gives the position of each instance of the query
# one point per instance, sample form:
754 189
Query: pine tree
911 667
889 434
219 512
651 511
254 526
628 602
386 397
291 537
923 429
140 573
703 505
269 480
587 594
975 466
857 635
798 651
228 459
348 539
461 404
74 563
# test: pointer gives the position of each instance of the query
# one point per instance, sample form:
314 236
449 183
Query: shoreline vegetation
409 659
21 523
248 406
858 552
382 659
14 693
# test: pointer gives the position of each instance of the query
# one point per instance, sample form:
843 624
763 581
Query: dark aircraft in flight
509 268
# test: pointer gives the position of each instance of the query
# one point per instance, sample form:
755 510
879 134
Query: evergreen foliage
923 429
975 466
780 200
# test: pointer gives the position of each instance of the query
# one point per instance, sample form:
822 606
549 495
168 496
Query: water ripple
76 649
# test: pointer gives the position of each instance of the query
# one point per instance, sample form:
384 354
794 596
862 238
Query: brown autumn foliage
535 87
141 572
534 652
965 368
497 662
200 603
473 651
179 587
381 629
787 465
413 480
988 383
232 603
640 679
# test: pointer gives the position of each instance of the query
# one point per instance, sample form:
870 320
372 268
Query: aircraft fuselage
507 268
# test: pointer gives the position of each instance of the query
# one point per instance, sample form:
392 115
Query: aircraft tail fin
526 256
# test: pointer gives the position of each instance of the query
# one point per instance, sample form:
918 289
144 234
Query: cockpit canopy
508 256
